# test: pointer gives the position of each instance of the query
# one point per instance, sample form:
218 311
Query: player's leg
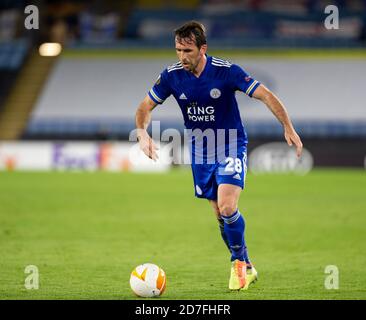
242 272
220 221
230 178
227 201
234 223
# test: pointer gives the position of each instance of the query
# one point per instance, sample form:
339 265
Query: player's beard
187 65
191 67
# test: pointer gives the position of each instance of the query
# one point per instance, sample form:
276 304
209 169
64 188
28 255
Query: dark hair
192 30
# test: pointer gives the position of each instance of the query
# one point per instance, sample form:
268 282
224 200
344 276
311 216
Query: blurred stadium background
113 50
74 110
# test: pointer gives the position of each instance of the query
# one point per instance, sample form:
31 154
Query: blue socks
234 227
223 234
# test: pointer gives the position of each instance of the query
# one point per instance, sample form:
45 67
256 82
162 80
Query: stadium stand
12 56
130 42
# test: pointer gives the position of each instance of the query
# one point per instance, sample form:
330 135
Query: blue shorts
207 177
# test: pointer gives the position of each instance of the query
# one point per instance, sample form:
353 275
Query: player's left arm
278 109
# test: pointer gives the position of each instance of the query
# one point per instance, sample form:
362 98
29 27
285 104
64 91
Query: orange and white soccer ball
148 280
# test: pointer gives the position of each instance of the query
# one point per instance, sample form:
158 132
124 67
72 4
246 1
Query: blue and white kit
208 104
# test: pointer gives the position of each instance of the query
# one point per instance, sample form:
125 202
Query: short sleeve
161 89
243 81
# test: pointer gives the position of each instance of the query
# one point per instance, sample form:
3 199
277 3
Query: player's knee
227 208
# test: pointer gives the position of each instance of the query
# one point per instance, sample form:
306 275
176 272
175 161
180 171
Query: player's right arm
157 95
143 118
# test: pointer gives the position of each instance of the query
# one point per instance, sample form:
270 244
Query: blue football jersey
207 101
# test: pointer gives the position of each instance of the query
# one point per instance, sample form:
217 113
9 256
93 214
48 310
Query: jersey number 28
233 165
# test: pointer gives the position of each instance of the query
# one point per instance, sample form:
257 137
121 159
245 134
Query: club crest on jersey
215 93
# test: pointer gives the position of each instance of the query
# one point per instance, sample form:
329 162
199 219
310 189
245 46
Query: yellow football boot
252 276
238 275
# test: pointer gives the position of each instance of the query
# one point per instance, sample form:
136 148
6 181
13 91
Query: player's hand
147 145
293 138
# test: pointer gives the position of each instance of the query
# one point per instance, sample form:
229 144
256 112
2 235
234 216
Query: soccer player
204 87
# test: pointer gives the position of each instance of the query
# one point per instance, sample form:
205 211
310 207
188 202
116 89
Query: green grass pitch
86 231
